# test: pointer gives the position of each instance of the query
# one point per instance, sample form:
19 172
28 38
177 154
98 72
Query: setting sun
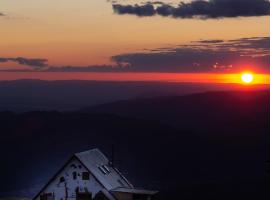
247 77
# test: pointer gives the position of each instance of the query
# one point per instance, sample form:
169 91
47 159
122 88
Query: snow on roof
134 191
97 163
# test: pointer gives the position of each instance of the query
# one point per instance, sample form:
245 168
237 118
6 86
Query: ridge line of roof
92 150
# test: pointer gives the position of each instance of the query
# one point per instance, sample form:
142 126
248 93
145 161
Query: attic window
73 166
85 176
62 179
74 174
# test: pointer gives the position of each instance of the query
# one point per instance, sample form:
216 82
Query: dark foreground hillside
219 111
205 146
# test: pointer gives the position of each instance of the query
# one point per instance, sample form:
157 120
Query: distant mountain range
34 95
212 145
220 111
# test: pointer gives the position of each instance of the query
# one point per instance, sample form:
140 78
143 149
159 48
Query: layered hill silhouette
207 111
204 146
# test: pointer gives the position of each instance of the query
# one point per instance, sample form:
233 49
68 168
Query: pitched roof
97 163
134 191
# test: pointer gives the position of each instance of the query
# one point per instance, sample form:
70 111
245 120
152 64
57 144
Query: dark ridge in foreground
202 146
210 110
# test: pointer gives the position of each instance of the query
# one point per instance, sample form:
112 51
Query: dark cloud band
37 62
203 56
226 56
199 9
197 57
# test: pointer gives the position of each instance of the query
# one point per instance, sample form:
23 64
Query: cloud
35 63
211 41
143 10
199 56
202 9
203 56
93 68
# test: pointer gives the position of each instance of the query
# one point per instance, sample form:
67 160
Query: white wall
59 189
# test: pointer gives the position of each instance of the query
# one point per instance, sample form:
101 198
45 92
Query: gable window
73 166
74 174
85 176
62 179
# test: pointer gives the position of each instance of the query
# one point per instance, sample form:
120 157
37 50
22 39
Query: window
74 174
73 166
84 196
85 176
62 179
104 169
46 196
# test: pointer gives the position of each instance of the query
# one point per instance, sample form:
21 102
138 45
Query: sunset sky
97 37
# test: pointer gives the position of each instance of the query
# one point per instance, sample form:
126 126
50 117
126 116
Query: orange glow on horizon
154 77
